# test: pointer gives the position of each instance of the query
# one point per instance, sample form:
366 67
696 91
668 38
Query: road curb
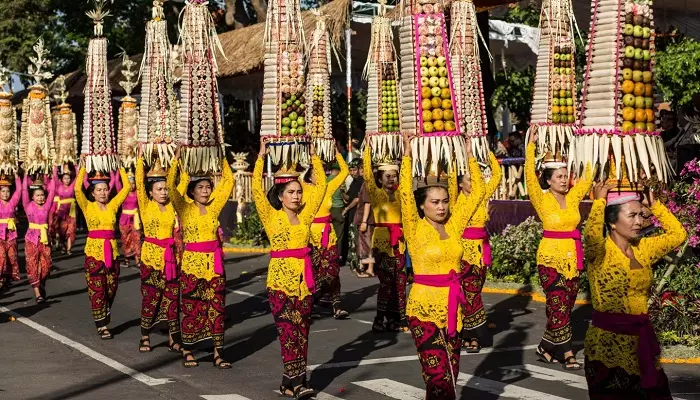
694 361
536 296
246 250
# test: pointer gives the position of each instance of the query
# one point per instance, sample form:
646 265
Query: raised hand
601 189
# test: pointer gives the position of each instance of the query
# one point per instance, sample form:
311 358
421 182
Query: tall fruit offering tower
65 129
128 132
8 128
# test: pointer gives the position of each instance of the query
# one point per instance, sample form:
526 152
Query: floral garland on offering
158 121
36 146
98 126
466 76
554 108
427 96
381 72
619 77
65 128
128 130
284 85
8 126
318 91
201 129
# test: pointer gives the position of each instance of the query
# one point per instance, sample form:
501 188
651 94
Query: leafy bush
250 231
676 318
514 252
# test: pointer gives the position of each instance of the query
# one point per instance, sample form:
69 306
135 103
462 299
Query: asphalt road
52 351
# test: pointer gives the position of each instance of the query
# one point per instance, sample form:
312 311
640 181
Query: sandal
105 334
340 313
542 355
189 363
378 325
570 364
39 299
286 392
173 349
394 326
145 345
220 363
362 275
303 392
473 348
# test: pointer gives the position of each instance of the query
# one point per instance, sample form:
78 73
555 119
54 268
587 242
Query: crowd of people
169 224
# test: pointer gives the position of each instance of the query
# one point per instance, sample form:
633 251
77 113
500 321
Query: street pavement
52 351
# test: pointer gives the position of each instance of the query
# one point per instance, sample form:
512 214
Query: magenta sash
395 231
453 281
212 246
169 255
302 254
576 236
634 325
475 233
326 238
107 236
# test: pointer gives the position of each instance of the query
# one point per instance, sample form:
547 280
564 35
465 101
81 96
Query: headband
618 198
554 165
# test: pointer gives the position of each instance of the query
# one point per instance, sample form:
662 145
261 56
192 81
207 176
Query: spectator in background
337 207
351 198
516 148
670 134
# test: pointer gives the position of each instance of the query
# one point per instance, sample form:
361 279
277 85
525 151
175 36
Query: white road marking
547 374
362 321
502 389
223 397
318 396
393 389
325 330
246 294
143 378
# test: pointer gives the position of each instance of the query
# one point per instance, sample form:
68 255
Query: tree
514 90
528 15
677 71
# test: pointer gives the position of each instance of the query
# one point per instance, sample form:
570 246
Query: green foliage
358 114
528 15
676 319
677 71
250 232
513 89
685 279
514 252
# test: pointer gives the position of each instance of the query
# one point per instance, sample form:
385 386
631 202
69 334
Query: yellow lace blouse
197 227
472 248
156 223
556 253
617 288
325 210
384 210
431 255
286 274
99 219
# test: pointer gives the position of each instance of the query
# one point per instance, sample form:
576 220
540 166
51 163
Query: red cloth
170 264
576 236
453 281
474 233
302 254
395 232
213 246
647 349
107 236
325 239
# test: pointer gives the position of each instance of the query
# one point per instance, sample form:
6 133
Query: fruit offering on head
562 100
389 104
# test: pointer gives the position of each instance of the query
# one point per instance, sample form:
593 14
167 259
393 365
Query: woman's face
5 193
291 196
65 178
466 184
202 192
437 204
101 193
389 179
159 192
39 197
630 219
132 184
559 182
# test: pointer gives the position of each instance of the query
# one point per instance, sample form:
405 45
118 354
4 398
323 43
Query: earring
613 227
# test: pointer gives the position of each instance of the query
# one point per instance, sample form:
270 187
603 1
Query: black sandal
473 348
173 349
189 363
39 299
105 334
339 313
143 347
302 392
286 392
220 363
570 365
378 325
542 355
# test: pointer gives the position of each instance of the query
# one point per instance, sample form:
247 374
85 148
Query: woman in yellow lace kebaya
101 251
476 257
202 278
388 245
560 253
433 235
290 280
160 284
323 240
621 348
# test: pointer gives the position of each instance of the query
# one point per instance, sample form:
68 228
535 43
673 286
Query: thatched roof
481 5
244 48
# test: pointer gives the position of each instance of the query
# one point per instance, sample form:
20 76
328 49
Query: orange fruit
640 126
436 102
650 115
651 127
648 90
448 115
439 126
437 116
628 114
570 110
450 126
425 92
639 89
555 109
427 116
627 126
627 87
426 104
640 115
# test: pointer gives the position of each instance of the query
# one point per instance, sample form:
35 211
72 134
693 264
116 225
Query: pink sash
576 236
395 231
453 280
169 256
304 254
325 239
474 233
212 246
107 236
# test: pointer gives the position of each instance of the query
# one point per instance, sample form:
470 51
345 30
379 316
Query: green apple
423 71
294 124
638 55
572 119
285 131
424 81
444 82
569 101
433 71
286 121
627 74
301 130
646 55
442 71
646 76
435 91
629 51
432 61
646 32
638 31
300 122
628 29
637 76
639 102
434 80
441 61
649 102
293 131
423 61
555 101
628 100
293 116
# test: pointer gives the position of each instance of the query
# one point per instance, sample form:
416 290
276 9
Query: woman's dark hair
193 184
422 194
150 183
546 175
32 191
612 214
273 195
